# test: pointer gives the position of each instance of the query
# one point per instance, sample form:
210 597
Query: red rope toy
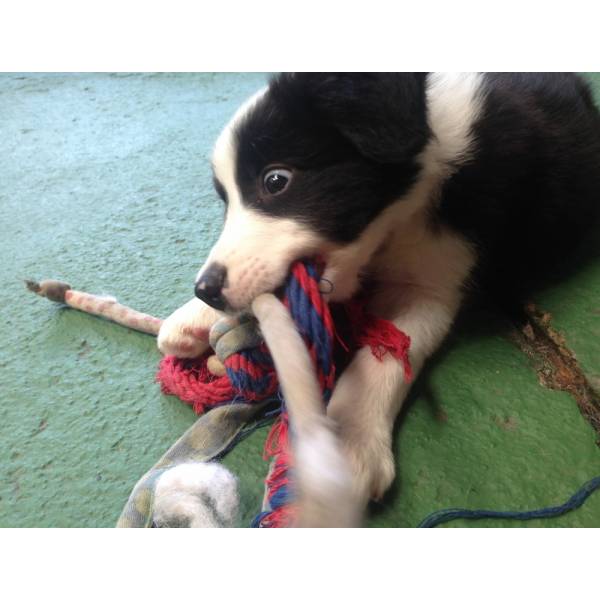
250 375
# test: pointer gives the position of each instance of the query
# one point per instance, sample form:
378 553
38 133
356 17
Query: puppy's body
422 185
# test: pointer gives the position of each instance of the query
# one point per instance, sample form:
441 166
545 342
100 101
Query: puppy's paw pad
196 495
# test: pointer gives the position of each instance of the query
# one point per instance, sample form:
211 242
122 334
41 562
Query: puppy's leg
370 392
185 332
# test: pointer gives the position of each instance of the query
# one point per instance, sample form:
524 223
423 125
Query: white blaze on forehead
225 152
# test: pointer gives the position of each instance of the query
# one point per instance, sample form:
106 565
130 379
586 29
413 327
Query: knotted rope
250 374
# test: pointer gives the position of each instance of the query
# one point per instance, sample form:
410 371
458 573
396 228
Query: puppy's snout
209 286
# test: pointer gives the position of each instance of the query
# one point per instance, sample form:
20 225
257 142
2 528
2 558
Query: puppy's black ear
383 114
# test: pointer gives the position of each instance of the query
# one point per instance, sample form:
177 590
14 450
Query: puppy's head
304 168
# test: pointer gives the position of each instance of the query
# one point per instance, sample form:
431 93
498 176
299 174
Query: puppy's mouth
241 302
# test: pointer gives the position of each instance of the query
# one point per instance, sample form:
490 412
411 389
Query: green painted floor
105 183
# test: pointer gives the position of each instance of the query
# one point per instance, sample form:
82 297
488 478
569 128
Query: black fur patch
533 187
350 158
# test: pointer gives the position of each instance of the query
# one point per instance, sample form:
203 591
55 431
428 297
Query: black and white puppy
424 184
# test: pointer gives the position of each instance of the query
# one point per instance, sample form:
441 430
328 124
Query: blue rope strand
575 501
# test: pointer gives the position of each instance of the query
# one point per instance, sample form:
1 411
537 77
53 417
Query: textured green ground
105 182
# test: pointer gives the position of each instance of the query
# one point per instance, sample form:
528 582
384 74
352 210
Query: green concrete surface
105 183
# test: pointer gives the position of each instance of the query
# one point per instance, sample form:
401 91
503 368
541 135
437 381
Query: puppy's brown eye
276 181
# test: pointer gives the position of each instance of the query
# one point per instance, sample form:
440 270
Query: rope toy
250 373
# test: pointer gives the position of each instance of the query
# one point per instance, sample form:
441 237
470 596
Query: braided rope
192 382
250 376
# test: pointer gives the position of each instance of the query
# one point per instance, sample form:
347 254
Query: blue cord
575 501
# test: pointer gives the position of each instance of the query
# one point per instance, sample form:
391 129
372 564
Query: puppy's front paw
184 341
185 332
372 465
196 495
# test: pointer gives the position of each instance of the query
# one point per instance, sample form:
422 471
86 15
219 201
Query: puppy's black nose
210 285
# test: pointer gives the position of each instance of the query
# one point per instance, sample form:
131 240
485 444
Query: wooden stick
102 306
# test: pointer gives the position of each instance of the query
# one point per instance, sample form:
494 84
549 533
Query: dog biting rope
250 374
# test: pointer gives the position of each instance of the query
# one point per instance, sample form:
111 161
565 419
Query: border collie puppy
424 185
